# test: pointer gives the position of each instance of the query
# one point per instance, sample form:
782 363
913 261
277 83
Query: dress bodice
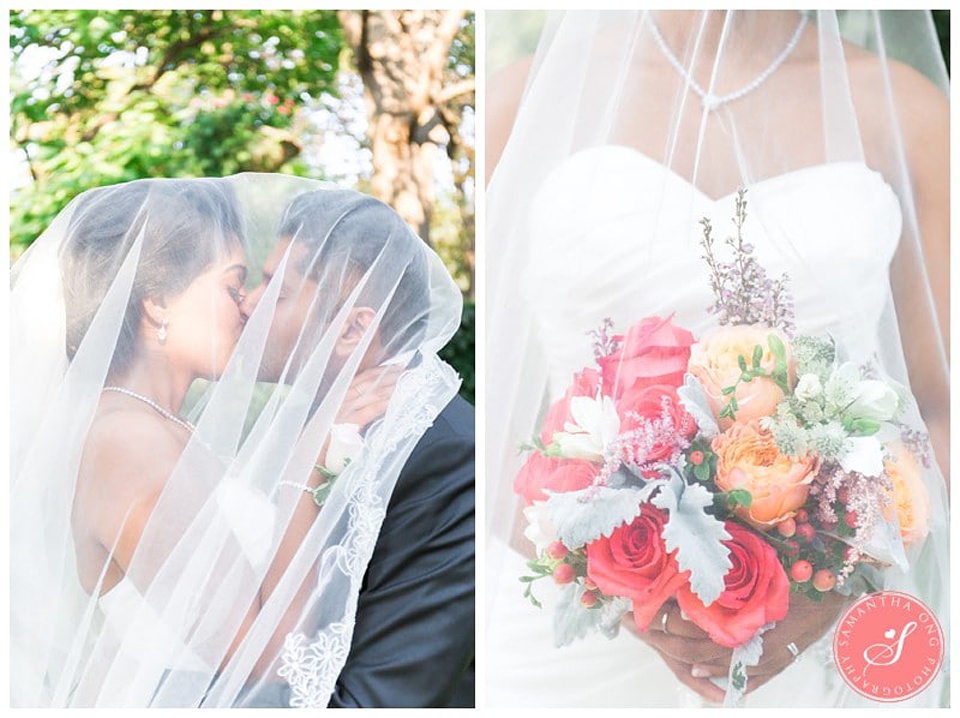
616 234
142 631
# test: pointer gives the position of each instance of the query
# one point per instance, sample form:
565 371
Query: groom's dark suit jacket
413 644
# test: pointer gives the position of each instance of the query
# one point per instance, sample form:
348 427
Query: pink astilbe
660 438
864 497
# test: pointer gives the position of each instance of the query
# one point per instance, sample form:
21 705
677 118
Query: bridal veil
242 588
612 133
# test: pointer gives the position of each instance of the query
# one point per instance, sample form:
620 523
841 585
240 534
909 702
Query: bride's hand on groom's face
368 395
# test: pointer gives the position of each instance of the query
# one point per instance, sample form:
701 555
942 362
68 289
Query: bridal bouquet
722 473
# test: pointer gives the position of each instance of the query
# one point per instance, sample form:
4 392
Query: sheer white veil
242 588
621 129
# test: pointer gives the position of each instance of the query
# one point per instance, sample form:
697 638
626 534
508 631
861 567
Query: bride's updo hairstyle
178 226
347 234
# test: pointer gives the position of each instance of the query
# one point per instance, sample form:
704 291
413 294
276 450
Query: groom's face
293 314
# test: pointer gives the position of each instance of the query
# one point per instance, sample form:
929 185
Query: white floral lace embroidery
311 665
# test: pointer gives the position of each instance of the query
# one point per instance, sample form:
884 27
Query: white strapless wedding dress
615 234
150 643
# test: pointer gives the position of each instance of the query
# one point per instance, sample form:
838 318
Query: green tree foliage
941 19
461 351
108 96
99 97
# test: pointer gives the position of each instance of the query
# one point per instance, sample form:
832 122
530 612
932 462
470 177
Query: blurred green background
379 101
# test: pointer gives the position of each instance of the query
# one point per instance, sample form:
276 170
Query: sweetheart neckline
771 180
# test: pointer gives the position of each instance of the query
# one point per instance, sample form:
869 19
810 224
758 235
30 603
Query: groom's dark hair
347 233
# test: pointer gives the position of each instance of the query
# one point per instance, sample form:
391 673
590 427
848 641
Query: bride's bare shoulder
923 110
131 448
504 92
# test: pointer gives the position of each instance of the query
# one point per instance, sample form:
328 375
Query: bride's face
205 321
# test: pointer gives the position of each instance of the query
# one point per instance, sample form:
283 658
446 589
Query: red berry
851 519
588 599
801 571
806 532
829 525
824 580
787 528
696 458
589 584
842 495
802 516
557 551
563 573
793 548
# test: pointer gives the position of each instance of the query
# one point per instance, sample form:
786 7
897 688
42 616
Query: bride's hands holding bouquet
695 659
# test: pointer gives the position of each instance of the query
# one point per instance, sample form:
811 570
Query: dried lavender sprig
743 293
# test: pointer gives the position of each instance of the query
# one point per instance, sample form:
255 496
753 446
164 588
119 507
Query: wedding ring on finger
663 621
794 651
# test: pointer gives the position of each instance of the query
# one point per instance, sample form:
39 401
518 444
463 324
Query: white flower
841 387
808 387
345 446
874 400
865 456
540 530
595 425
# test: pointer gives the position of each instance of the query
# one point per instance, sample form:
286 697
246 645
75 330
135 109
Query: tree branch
463 87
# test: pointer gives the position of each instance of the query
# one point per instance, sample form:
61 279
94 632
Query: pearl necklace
710 101
153 405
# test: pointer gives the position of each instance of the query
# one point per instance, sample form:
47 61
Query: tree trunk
401 56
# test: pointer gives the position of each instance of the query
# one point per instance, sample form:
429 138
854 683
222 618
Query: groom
413 643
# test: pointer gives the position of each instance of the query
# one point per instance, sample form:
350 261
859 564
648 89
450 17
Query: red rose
558 475
756 591
634 563
647 403
654 351
585 383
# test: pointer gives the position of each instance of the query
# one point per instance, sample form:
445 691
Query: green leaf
702 472
742 362
779 352
862 426
739 497
757 356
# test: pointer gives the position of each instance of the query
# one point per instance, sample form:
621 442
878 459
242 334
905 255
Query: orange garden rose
748 458
714 361
910 497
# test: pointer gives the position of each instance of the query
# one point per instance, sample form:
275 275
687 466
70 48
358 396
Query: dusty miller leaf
743 657
572 619
694 400
580 517
696 535
611 613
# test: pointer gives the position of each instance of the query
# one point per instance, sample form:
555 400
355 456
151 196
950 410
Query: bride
620 131
195 507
